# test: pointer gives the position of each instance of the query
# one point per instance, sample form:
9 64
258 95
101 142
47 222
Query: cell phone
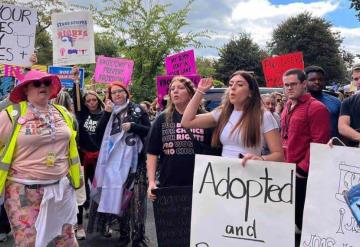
352 198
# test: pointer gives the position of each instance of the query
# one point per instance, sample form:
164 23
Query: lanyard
49 121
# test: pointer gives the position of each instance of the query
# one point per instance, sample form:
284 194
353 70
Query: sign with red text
182 63
109 69
73 38
275 67
17 34
250 206
163 82
328 213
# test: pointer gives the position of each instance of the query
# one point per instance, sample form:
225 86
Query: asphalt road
96 240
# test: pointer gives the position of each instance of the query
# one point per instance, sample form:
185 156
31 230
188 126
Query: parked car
213 96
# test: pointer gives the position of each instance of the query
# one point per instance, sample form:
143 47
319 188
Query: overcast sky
226 18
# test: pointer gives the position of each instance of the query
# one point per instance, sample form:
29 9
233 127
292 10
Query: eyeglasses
291 85
37 84
117 91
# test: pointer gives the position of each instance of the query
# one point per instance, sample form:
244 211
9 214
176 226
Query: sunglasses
46 83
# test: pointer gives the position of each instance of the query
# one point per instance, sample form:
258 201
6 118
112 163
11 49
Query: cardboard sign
182 63
172 211
17 71
275 67
110 69
247 206
17 34
64 74
328 219
163 82
73 38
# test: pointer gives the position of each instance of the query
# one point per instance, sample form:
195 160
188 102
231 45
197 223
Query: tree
314 38
149 33
205 66
240 53
355 4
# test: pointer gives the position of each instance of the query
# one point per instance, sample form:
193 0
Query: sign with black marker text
328 217
248 206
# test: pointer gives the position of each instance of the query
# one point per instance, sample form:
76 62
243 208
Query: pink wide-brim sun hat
17 94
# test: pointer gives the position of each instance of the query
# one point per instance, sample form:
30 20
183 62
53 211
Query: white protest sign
73 38
17 34
328 220
242 206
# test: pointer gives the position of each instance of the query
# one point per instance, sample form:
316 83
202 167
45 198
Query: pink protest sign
163 82
110 69
182 63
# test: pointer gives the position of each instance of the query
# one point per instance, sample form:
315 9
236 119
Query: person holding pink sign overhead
241 124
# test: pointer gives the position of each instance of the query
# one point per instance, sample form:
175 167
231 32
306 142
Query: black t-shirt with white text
176 149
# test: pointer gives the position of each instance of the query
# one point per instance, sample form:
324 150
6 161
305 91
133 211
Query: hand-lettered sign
73 38
65 76
328 219
247 206
110 69
275 67
172 211
182 63
163 83
17 34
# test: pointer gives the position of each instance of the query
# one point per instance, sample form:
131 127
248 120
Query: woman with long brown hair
241 125
175 145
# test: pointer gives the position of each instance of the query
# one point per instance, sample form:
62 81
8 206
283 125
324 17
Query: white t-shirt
233 145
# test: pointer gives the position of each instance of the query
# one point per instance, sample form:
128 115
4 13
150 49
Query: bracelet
202 92
262 158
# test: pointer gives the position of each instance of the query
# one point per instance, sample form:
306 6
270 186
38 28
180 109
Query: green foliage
43 46
218 84
312 36
205 66
148 32
355 4
240 53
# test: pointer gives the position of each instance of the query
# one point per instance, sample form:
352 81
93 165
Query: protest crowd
68 152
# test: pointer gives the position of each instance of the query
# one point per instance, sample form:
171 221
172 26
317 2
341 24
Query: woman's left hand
250 157
126 126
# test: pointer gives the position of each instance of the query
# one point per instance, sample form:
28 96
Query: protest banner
110 69
65 76
163 81
328 220
17 34
247 206
16 71
182 63
73 38
172 212
275 67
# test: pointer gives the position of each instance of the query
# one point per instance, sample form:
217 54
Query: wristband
202 92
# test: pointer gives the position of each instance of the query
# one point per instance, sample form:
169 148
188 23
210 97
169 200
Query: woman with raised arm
175 145
241 125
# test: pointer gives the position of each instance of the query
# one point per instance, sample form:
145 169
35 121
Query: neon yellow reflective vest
6 152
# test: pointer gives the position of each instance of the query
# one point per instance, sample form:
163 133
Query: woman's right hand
151 196
205 84
75 72
108 105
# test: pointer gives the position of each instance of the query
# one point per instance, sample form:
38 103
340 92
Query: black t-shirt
351 107
87 129
176 149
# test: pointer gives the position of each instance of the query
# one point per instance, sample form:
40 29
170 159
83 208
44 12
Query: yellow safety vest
7 151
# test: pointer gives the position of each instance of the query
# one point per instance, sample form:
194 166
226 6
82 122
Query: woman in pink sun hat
39 164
